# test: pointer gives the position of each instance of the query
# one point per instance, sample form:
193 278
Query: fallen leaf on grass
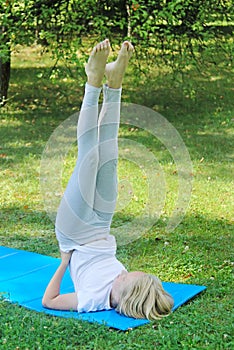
3 155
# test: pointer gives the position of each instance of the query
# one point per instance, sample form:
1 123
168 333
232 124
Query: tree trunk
5 56
5 68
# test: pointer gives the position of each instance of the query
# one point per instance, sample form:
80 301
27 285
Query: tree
179 30
16 27
5 55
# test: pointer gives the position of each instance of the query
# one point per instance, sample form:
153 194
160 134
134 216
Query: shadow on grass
28 229
200 108
25 130
216 146
209 92
201 233
189 100
33 90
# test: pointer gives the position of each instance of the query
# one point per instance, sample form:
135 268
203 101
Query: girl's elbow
46 303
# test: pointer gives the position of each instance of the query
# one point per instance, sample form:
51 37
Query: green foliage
172 27
178 32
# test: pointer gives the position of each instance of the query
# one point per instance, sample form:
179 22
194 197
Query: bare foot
115 70
95 68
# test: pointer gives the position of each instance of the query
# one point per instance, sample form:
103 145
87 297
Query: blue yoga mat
25 275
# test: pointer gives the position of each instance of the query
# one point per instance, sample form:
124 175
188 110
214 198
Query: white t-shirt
93 268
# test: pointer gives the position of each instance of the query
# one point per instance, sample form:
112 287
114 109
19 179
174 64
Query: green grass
198 251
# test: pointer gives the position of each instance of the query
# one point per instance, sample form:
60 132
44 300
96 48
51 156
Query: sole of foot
95 68
114 71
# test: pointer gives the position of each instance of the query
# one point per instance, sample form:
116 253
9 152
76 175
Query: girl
84 216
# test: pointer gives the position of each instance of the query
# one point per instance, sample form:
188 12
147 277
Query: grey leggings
88 203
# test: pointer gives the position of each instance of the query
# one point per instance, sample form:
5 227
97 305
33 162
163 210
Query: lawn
199 250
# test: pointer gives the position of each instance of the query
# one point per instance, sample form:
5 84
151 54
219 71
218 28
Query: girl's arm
52 298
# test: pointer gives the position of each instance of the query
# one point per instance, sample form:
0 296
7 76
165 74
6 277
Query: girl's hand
66 257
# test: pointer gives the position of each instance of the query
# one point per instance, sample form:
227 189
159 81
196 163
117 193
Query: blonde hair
145 298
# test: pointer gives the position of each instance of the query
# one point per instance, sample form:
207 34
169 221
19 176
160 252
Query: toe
107 43
124 48
128 45
97 48
131 47
125 44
